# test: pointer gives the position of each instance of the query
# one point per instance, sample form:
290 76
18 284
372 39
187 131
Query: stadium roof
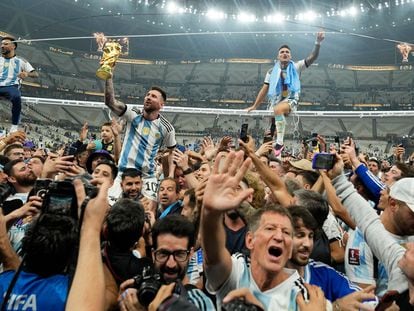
364 32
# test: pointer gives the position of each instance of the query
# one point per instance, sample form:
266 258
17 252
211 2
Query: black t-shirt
124 265
235 240
321 249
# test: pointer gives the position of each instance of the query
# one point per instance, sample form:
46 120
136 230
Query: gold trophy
111 51
404 49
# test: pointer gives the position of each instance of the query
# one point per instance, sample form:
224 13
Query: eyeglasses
163 255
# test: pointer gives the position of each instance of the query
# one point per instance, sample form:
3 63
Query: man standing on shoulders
146 132
282 87
14 69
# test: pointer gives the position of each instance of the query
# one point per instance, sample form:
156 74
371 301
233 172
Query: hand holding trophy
111 51
404 49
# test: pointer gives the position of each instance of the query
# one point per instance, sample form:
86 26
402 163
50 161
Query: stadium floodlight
215 14
172 7
276 18
352 11
310 16
246 17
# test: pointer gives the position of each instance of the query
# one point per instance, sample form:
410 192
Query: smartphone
267 138
181 148
323 161
404 142
243 132
41 187
337 142
314 140
69 150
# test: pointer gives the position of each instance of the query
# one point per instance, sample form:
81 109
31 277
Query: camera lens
148 291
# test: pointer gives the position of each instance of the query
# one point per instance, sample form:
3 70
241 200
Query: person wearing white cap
398 261
361 265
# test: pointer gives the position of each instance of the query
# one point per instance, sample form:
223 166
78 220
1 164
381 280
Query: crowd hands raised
226 228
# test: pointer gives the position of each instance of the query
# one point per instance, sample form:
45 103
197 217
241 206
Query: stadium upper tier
218 83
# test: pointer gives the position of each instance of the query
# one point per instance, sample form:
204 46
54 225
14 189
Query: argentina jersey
359 261
10 69
281 297
143 139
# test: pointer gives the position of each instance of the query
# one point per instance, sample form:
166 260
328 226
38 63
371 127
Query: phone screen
323 161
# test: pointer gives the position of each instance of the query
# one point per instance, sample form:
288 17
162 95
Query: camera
60 197
147 285
240 305
41 186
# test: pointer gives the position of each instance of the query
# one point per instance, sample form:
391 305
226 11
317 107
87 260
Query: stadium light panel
215 14
246 17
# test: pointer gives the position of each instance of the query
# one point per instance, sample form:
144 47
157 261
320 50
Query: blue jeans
13 94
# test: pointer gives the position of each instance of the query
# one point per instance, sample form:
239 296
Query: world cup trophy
404 49
111 51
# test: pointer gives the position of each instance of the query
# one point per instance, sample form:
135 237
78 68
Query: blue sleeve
334 284
372 182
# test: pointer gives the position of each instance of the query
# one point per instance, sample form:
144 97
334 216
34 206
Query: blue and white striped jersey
281 297
143 139
10 68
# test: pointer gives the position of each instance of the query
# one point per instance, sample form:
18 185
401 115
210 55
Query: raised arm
116 106
87 291
315 52
382 244
221 195
272 180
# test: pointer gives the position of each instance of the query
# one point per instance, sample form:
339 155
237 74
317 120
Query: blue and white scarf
292 81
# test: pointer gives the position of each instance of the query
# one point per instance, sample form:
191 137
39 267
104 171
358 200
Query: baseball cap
303 164
92 156
403 190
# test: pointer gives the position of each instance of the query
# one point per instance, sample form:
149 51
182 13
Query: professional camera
147 285
60 196
240 305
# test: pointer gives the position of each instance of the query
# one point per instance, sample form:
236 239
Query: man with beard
334 284
173 245
146 132
131 184
14 69
17 206
21 177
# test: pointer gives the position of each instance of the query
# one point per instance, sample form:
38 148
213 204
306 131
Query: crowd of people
135 221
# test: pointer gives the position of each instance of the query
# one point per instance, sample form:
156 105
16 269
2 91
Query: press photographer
49 250
173 238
